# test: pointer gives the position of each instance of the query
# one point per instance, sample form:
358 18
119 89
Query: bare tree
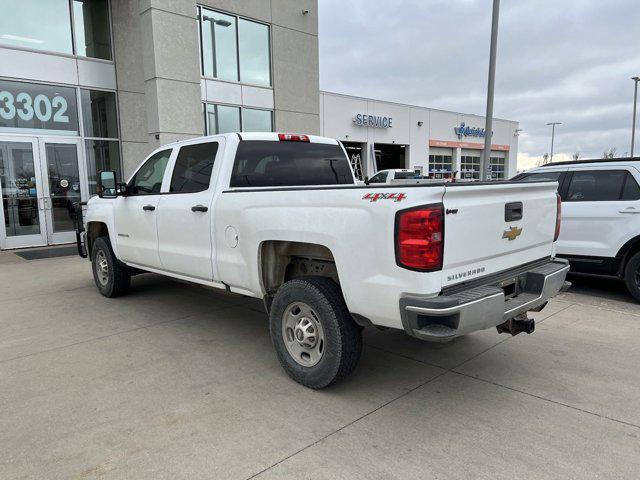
611 153
576 156
545 158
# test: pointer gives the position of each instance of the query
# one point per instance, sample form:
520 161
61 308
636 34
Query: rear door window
596 186
631 191
261 163
192 171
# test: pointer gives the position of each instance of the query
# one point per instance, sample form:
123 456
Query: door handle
148 208
630 210
199 208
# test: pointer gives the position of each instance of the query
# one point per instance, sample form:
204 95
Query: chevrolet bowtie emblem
512 233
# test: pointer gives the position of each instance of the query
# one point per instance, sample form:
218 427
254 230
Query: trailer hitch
518 324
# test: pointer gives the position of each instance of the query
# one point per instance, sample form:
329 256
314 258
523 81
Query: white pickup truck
280 217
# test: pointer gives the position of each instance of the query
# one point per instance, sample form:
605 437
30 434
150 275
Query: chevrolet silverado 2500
280 217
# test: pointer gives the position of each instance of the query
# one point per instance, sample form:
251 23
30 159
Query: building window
100 125
102 156
440 166
91 28
253 51
469 167
99 113
229 118
254 120
47 26
497 168
36 108
234 49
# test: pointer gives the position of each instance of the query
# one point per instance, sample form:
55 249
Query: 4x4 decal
374 197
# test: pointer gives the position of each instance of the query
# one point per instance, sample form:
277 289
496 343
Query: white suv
600 216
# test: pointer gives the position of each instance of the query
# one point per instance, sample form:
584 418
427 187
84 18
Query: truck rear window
261 163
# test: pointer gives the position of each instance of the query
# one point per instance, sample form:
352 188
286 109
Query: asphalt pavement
176 381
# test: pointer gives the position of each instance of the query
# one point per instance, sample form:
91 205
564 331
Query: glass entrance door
64 182
22 222
41 179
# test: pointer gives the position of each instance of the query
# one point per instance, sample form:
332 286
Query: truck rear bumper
446 317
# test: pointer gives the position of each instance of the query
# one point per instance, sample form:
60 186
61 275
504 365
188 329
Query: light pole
553 134
488 126
635 103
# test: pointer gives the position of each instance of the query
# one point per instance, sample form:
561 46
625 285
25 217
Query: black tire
117 278
342 337
632 276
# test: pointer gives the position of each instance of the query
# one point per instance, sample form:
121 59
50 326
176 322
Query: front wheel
316 340
632 276
111 277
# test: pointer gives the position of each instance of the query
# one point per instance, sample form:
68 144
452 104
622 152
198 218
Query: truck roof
264 136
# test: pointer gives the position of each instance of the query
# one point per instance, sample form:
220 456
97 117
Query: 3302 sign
30 106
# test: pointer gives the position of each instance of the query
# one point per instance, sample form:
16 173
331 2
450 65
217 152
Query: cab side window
148 179
192 172
597 186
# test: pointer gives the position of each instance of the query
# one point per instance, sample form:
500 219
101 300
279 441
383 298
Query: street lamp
222 23
553 134
635 102
488 126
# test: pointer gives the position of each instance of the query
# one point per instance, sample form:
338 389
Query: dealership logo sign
363 120
466 131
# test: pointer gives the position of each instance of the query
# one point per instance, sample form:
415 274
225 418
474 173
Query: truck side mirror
107 186
366 180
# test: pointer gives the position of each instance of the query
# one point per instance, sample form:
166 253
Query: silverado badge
512 233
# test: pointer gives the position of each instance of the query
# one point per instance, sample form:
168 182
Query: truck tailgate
483 233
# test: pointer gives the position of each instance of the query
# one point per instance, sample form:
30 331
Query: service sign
376 121
35 108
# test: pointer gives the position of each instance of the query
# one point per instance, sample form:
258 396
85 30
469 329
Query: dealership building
91 85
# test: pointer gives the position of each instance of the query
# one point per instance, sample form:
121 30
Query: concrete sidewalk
180 382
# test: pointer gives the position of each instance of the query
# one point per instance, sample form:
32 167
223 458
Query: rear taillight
558 217
420 238
290 137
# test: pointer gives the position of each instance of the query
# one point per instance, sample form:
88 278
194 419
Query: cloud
568 61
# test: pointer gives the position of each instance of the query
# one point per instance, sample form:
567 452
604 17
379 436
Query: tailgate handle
512 211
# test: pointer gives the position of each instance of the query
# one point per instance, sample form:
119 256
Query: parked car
281 218
388 176
600 216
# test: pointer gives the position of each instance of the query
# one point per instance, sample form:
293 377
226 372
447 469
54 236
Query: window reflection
46 25
220 54
36 25
254 53
254 120
234 49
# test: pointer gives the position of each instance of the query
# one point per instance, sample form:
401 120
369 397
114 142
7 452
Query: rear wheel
111 277
316 340
632 276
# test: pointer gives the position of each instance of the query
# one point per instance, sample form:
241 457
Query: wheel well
281 261
627 251
95 230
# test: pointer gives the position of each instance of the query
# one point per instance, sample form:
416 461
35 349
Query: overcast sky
558 60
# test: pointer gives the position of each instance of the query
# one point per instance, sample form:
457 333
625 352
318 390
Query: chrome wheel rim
102 268
303 334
